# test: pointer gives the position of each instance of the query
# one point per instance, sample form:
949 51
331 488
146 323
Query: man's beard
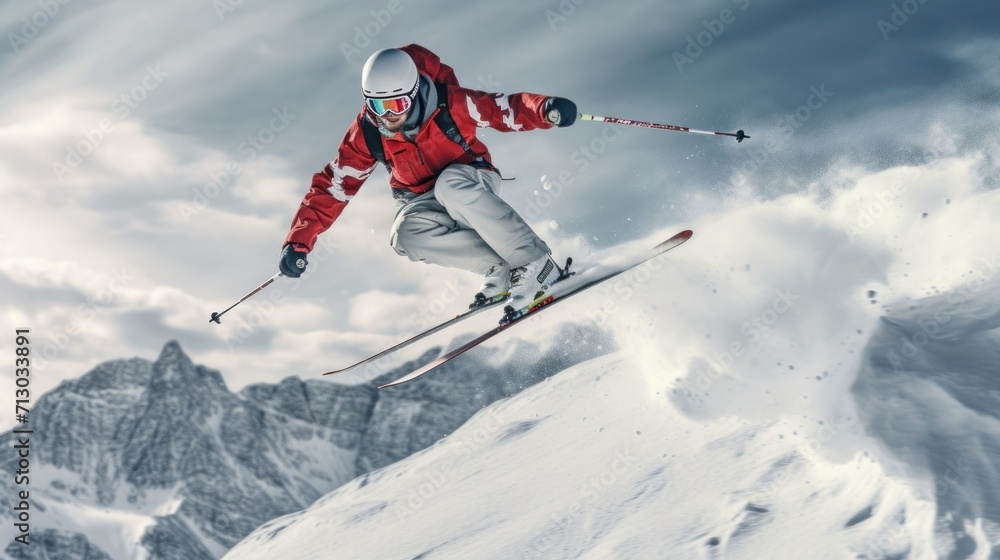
393 128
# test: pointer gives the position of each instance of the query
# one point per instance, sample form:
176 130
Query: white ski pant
463 223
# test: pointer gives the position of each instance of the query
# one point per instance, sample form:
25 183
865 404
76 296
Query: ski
547 301
481 304
422 335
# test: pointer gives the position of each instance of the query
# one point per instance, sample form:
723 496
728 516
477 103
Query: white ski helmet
389 73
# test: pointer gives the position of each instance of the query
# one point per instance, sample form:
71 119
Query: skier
422 125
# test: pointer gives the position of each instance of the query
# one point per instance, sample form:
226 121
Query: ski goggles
394 105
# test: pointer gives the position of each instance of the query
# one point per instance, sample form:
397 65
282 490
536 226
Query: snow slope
594 465
813 376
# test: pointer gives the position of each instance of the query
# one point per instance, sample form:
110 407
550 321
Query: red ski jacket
415 164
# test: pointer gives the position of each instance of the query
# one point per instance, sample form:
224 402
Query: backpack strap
373 139
447 124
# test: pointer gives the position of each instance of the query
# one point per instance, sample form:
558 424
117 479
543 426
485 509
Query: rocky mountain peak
173 369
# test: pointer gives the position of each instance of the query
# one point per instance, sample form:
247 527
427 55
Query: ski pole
217 315
739 135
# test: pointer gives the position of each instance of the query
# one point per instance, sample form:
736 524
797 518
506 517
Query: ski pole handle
216 315
739 134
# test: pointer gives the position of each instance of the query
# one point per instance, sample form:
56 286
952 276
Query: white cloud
379 311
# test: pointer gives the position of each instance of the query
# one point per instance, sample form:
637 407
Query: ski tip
674 241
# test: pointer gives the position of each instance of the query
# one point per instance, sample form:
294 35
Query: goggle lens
394 105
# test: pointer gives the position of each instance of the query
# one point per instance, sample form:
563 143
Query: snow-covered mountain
819 380
140 459
604 470
161 453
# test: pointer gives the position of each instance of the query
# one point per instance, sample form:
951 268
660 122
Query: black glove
293 262
559 111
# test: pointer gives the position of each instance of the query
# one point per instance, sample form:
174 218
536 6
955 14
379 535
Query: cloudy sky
152 154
